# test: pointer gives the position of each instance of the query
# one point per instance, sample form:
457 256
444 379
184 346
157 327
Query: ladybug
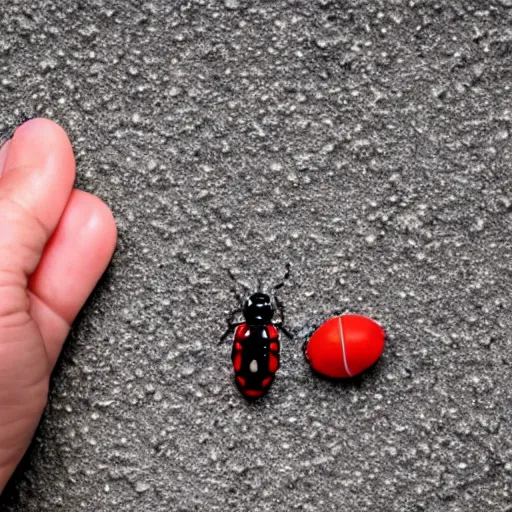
344 346
256 347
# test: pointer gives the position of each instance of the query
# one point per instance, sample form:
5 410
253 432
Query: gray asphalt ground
366 142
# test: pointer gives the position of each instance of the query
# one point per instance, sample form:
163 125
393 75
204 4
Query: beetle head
258 309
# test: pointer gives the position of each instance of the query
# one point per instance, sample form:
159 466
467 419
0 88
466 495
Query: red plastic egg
345 345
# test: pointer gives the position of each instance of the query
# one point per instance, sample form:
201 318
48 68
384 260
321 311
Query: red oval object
344 346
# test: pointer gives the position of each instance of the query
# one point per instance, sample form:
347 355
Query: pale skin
55 243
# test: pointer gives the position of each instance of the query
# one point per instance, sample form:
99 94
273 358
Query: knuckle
22 238
14 307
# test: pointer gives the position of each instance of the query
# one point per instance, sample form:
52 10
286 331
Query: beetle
256 346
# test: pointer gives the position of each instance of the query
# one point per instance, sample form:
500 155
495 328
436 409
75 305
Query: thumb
35 184
36 179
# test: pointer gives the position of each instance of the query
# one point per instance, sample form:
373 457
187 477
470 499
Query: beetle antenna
285 277
238 297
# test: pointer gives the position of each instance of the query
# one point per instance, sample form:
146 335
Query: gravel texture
366 142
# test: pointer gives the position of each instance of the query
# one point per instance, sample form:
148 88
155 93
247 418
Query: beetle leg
280 308
280 322
226 334
305 334
286 276
229 330
285 331
231 324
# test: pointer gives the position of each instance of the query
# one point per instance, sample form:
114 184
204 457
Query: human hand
55 243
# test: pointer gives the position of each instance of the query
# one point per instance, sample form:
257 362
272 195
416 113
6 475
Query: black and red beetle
255 353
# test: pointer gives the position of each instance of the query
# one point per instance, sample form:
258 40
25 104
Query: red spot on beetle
266 382
237 362
241 332
272 332
254 393
273 363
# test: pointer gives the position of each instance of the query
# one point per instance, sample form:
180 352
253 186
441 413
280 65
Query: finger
3 154
72 263
35 185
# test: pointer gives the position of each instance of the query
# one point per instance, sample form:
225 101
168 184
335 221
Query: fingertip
39 172
89 221
76 256
101 221
36 141
41 125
